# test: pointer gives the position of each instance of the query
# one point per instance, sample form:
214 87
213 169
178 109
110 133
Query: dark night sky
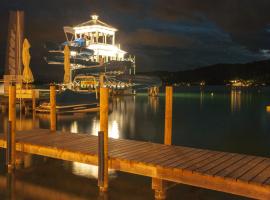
164 35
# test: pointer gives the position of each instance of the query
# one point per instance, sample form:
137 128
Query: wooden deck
227 172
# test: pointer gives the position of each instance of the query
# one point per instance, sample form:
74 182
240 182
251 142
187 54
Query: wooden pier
227 172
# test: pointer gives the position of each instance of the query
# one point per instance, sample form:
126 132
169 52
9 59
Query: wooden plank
207 161
244 169
225 164
22 138
136 153
79 143
216 163
90 150
187 158
167 163
262 177
50 139
174 154
130 155
166 155
156 151
118 151
197 160
32 132
249 175
131 151
115 146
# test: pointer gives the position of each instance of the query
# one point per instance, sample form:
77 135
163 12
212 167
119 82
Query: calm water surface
214 118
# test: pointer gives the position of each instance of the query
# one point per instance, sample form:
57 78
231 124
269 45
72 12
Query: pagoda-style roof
95 22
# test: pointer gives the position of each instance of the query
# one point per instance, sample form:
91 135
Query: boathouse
99 37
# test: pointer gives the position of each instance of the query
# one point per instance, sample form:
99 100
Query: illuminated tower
99 37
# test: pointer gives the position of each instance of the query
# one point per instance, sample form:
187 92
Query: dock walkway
227 172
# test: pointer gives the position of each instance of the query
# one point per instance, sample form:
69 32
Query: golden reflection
1 88
121 118
235 100
201 98
74 127
154 103
89 171
113 129
123 111
25 122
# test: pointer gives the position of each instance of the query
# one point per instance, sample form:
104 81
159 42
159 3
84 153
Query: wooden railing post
11 128
9 161
104 106
101 80
33 100
101 159
10 185
52 107
168 116
157 184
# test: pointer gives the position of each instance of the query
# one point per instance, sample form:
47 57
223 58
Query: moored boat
80 108
70 101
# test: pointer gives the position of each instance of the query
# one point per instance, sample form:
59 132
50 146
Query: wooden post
53 107
101 168
168 116
160 188
101 80
157 184
9 161
11 126
33 101
10 185
104 105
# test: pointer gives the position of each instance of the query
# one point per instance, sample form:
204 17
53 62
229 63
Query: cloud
265 53
147 37
171 34
233 15
245 20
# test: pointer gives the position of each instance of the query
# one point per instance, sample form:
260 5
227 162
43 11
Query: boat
91 43
68 102
70 109
93 51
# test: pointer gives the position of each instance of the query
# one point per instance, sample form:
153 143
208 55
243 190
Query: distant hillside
219 74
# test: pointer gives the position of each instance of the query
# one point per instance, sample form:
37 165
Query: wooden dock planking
227 172
245 168
252 173
262 177
203 163
203 169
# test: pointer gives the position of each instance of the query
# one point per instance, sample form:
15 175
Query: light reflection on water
1 88
235 100
89 171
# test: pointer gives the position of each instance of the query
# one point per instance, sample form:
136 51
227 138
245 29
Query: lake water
215 118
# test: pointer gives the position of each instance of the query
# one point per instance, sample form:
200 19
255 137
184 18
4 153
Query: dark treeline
219 74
